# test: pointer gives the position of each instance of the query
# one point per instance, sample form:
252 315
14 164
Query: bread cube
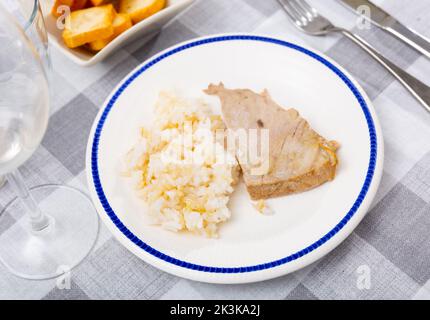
58 3
100 2
78 5
121 23
87 25
141 9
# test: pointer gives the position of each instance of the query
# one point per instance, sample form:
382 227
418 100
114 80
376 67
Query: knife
385 21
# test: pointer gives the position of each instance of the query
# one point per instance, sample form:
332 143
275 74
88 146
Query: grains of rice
181 169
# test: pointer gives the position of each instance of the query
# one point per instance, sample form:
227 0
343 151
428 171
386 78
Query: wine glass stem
2 181
38 220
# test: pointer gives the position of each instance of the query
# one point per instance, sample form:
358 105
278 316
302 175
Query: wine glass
50 228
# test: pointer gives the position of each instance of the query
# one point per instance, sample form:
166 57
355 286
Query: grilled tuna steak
299 159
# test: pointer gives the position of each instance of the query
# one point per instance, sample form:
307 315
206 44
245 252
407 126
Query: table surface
392 243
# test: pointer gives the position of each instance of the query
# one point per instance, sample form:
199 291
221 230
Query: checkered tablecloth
393 241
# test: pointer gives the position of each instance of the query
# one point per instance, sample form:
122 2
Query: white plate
251 247
142 32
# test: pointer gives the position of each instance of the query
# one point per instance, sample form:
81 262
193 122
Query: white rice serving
181 169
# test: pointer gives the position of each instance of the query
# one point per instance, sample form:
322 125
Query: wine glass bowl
51 228
24 95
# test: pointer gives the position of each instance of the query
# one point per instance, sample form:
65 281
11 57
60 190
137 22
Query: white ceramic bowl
141 31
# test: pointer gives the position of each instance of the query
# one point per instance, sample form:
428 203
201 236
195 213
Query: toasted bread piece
120 23
97 3
78 5
87 25
141 9
58 3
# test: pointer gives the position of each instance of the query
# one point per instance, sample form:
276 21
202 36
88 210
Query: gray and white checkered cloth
394 238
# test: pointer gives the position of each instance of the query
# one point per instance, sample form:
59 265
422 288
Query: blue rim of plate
126 232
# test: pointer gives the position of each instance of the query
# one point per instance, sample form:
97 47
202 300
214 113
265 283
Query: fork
308 20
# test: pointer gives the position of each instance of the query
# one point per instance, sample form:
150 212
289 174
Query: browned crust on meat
310 180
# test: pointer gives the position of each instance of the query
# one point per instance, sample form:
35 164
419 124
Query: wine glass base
56 250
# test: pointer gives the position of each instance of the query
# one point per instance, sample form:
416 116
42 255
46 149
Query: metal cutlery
388 23
308 20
